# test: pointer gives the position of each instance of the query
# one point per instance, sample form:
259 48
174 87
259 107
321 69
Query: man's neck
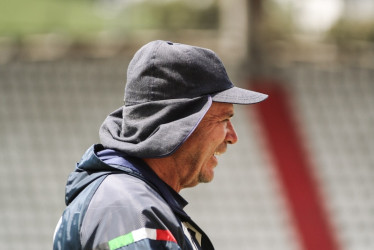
166 171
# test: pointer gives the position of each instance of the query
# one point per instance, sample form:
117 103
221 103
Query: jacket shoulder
123 204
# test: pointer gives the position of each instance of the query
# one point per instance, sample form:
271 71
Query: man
176 119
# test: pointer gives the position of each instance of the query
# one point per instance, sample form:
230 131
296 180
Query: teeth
217 153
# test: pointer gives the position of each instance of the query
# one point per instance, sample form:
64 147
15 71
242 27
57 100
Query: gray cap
170 87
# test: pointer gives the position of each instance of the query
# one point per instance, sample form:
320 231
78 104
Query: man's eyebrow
224 114
228 114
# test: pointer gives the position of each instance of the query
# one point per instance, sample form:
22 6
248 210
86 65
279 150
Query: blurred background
301 176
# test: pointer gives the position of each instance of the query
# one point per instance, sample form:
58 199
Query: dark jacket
117 202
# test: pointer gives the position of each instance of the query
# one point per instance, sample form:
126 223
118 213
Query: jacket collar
140 169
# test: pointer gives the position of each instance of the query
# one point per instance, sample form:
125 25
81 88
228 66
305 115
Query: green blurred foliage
78 18
170 16
345 31
278 23
20 18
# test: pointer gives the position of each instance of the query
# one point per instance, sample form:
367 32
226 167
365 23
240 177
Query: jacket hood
87 170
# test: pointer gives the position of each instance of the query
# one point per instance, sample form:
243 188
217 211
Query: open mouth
216 155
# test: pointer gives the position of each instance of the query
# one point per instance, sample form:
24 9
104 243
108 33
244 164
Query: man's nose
231 136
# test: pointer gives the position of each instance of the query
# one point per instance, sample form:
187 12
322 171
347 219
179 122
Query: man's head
170 89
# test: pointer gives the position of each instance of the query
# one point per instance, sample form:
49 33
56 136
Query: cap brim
237 95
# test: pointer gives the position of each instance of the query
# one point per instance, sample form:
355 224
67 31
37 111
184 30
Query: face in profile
197 157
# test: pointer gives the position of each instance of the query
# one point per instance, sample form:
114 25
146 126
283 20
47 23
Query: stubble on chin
206 173
205 179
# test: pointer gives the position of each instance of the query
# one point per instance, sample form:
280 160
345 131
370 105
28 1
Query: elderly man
123 193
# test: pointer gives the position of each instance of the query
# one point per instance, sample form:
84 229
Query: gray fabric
153 129
170 87
164 70
132 205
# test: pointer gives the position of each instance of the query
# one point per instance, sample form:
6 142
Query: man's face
197 157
